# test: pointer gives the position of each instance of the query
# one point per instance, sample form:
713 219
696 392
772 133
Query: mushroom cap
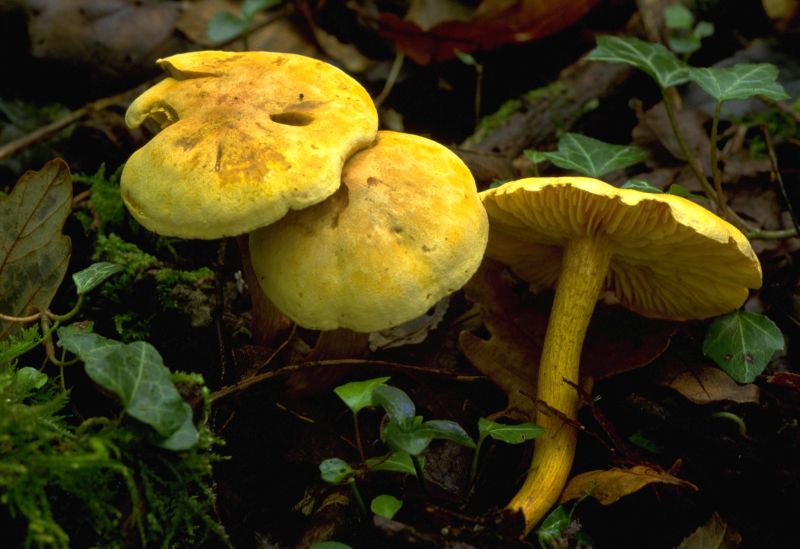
245 138
405 229
672 258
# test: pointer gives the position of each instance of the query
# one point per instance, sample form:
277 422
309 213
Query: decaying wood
539 117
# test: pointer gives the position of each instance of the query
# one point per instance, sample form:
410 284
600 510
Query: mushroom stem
267 322
584 268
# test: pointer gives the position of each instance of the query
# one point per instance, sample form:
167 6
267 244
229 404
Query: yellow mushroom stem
584 268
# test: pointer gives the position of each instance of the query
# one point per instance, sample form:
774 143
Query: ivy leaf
186 437
33 252
95 274
742 343
741 81
251 7
678 16
357 395
641 185
336 471
592 157
444 429
397 404
654 59
397 462
411 441
551 528
511 434
385 506
225 26
135 373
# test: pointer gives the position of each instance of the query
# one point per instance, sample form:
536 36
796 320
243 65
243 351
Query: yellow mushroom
245 138
405 229
662 256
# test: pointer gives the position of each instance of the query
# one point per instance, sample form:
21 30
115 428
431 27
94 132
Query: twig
44 132
394 72
773 159
258 378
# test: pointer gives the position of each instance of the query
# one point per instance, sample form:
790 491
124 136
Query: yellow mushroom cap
246 137
405 229
672 258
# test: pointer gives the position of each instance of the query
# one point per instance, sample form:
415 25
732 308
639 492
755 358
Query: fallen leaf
610 485
703 384
426 36
617 340
33 252
653 132
411 332
111 37
790 380
714 534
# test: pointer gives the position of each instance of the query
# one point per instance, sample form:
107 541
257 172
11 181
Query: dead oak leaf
33 252
610 485
617 340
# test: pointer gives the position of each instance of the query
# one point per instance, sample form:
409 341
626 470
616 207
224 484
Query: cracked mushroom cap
672 259
405 229
245 138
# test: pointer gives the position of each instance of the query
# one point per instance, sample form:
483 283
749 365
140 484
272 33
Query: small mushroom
245 138
662 256
405 229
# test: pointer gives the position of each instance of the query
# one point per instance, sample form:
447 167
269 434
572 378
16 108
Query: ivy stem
359 500
722 204
420 473
359 444
694 164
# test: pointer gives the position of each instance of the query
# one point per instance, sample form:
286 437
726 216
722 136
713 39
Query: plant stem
391 78
359 444
694 164
584 268
740 425
473 469
359 500
420 473
722 205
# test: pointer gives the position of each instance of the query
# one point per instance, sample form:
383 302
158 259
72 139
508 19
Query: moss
97 482
492 122
105 202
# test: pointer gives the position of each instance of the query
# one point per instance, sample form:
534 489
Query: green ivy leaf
412 440
654 59
592 157
703 29
225 26
357 395
27 379
336 471
678 16
742 343
684 44
135 373
551 528
396 462
95 274
397 404
444 429
740 81
385 506
186 437
331 545
641 185
251 7
511 434
466 58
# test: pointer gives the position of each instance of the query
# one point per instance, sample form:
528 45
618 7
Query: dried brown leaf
617 341
610 485
714 534
33 252
703 384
